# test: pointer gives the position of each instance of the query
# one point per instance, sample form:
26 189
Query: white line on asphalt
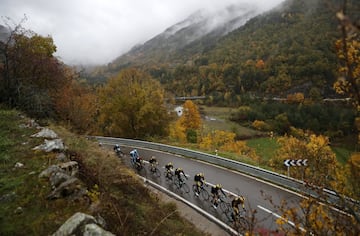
280 217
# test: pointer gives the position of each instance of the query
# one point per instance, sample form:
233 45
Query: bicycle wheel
241 225
157 172
168 176
204 194
186 187
194 189
227 216
224 206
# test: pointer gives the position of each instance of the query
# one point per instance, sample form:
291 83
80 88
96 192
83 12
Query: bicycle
138 165
200 191
222 204
238 221
181 185
154 170
169 175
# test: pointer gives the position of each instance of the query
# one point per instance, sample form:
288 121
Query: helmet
117 145
152 157
201 174
242 198
170 164
180 169
218 186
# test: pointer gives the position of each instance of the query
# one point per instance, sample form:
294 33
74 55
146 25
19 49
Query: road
255 191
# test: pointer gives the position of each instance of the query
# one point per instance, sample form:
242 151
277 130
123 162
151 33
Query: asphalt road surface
257 192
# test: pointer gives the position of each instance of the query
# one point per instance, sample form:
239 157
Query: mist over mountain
203 24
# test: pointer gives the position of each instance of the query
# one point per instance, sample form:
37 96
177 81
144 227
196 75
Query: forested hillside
289 49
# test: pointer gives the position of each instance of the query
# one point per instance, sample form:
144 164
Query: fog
98 31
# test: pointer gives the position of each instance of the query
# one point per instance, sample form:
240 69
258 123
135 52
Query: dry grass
127 206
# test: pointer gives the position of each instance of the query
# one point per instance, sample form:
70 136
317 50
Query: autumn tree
132 105
190 120
322 164
76 105
29 73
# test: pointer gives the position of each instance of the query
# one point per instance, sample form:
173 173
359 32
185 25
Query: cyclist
116 147
153 162
240 200
215 192
169 167
199 182
138 162
117 150
134 155
178 172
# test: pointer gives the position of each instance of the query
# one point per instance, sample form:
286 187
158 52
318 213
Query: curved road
256 192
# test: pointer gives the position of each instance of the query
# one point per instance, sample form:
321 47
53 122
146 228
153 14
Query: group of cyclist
216 190
199 181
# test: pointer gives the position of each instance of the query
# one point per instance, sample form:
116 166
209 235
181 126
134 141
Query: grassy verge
127 206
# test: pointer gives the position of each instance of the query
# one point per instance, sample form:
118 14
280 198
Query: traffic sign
299 162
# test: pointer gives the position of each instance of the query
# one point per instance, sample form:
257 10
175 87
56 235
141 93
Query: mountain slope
286 50
199 25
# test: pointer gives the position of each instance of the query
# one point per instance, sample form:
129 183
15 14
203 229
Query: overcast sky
97 31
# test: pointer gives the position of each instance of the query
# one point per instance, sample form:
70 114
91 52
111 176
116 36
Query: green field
265 147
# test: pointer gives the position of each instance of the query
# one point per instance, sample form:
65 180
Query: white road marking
280 217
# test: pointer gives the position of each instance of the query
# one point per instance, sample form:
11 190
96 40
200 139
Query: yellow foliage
261 125
295 98
177 131
191 117
321 160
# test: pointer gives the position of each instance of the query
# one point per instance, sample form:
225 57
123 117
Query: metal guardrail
278 179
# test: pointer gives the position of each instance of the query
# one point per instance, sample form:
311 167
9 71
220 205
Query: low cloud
96 32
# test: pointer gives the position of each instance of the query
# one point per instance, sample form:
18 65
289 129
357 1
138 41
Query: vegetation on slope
127 206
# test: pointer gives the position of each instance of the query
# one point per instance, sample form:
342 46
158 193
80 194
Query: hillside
288 49
114 192
201 28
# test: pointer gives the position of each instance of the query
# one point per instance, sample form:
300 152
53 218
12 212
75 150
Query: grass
127 206
218 119
264 147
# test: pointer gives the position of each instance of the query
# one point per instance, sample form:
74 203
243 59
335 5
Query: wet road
255 191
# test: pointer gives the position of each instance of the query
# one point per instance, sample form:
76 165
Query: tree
190 120
132 105
322 163
30 75
76 104
191 117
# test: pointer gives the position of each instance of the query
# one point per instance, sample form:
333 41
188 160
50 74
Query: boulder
51 145
58 178
49 171
81 224
46 133
67 188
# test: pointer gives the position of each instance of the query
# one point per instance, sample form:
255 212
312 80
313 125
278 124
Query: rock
81 224
71 167
46 133
72 186
70 227
8 197
58 178
19 165
49 171
51 145
95 230
19 210
61 157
